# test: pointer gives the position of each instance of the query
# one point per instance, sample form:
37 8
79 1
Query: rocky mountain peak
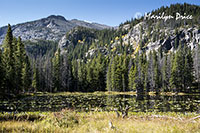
53 28
56 17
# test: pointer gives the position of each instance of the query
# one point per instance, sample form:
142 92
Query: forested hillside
141 56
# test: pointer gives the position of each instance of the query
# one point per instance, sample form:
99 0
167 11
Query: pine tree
117 74
35 80
197 66
93 75
176 79
146 80
188 68
20 56
165 74
131 80
75 75
57 70
90 76
14 42
108 77
118 81
181 64
113 73
66 76
96 74
135 78
82 86
135 75
9 61
101 72
150 74
26 74
157 79
182 69
142 71
125 72
2 74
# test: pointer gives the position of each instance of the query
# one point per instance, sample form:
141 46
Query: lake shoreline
109 93
106 101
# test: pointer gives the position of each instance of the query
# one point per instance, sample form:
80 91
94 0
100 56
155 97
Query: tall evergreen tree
142 71
20 56
9 61
82 76
2 73
135 78
197 66
157 74
125 72
146 78
116 74
35 80
131 81
66 78
135 75
113 73
176 79
165 74
57 70
101 72
75 75
108 77
188 69
26 74
150 74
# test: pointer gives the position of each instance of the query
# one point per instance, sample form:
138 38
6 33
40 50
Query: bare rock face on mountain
141 37
78 35
164 38
50 28
63 43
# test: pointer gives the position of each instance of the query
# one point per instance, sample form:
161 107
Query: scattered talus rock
50 28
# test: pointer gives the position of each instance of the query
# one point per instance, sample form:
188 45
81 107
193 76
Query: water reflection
141 103
87 102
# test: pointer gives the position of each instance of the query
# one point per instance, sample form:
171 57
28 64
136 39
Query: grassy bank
72 121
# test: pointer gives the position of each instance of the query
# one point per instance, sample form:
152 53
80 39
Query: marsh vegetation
93 112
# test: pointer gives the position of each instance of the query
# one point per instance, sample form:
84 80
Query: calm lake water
87 102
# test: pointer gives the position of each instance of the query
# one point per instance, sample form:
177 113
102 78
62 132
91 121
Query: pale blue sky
110 12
